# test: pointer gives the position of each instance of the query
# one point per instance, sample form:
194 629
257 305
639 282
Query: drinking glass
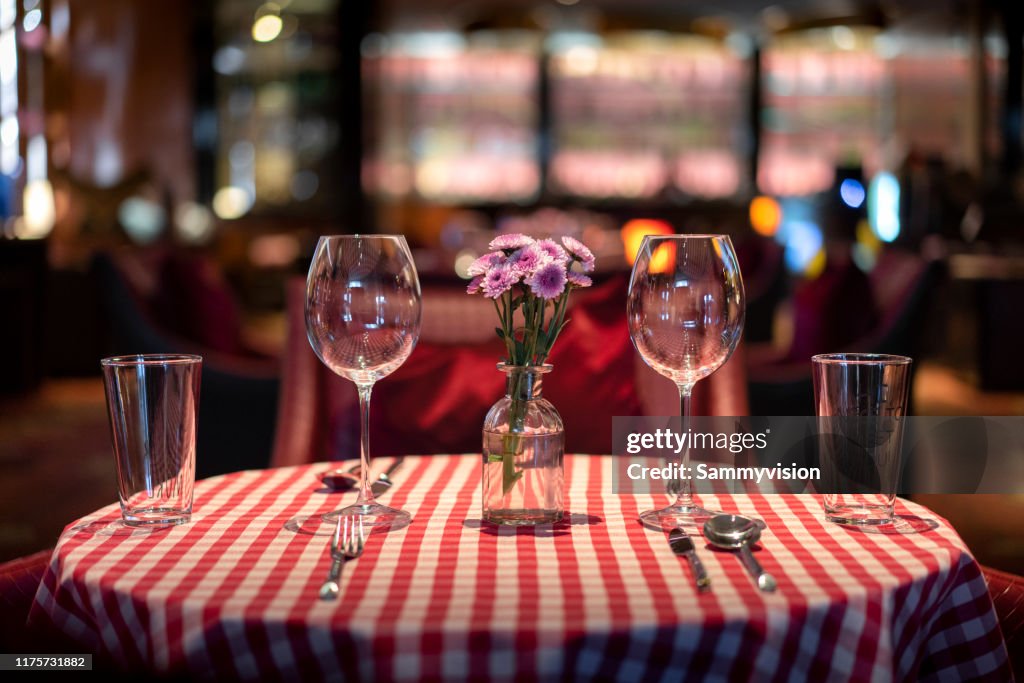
685 312
860 400
152 402
363 320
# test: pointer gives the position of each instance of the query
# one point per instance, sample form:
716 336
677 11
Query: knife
682 544
383 481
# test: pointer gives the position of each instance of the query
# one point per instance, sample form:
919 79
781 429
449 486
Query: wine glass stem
684 497
365 494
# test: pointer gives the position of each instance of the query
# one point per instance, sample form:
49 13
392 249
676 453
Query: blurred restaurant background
166 169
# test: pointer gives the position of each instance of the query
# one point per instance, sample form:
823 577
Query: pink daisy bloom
474 285
548 282
485 263
528 259
553 251
579 252
510 242
499 280
578 280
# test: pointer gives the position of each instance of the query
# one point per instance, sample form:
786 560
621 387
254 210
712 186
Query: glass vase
523 446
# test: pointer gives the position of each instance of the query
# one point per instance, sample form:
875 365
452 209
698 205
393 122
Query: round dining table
234 593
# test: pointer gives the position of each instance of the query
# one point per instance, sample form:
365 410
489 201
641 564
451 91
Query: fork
346 544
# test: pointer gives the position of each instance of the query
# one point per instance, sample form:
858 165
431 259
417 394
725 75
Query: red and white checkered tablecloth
234 594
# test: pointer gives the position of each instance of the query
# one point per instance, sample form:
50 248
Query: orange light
663 260
634 231
765 215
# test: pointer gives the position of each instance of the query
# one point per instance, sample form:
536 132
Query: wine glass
685 312
363 320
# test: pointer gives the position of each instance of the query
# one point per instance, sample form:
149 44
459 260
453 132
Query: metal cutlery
348 479
682 544
346 544
736 532
384 482
340 479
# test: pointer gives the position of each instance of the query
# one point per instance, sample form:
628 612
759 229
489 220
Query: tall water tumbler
153 401
861 402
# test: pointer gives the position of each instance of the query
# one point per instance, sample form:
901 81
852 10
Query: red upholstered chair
437 400
19 580
1007 591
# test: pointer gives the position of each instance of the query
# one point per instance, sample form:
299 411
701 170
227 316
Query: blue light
852 193
794 210
884 206
803 242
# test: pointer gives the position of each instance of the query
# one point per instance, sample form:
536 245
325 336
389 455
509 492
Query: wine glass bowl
685 312
363 309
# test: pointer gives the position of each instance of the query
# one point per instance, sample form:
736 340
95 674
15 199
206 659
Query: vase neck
524 383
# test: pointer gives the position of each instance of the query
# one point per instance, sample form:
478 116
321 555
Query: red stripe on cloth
479 628
154 550
433 641
102 613
754 631
798 629
866 652
383 648
574 606
213 648
527 621
661 653
258 639
939 558
611 576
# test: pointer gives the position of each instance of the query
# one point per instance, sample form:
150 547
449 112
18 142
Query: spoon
348 479
340 479
736 532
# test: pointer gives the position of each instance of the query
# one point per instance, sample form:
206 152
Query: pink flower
579 252
499 280
578 279
510 242
485 263
553 251
528 259
548 281
474 285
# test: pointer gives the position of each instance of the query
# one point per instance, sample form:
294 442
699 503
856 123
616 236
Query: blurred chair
22 308
1007 591
19 579
437 400
765 283
883 312
238 399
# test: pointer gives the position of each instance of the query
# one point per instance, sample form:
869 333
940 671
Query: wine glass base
374 515
676 515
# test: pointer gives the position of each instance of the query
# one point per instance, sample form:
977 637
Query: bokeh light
852 193
463 260
266 28
143 219
664 258
634 231
40 210
765 215
803 240
231 202
884 206
194 222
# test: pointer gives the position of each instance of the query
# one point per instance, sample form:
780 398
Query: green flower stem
532 349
